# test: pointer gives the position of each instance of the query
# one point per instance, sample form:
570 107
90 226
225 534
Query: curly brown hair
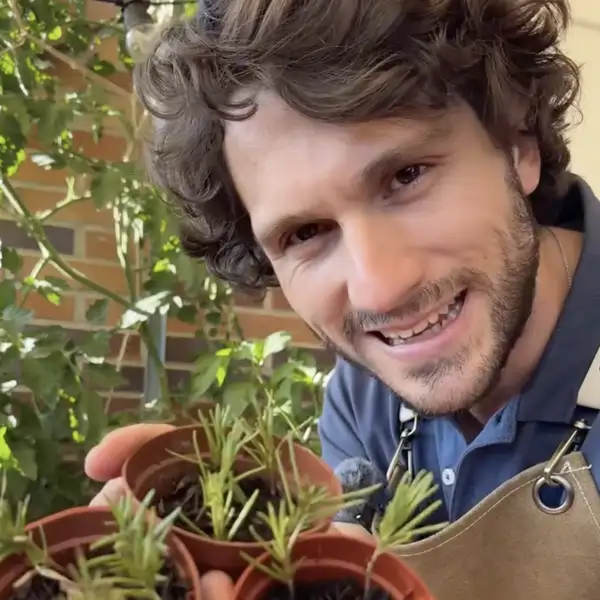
345 61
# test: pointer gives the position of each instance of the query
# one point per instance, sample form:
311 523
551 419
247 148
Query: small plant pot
67 531
153 467
329 558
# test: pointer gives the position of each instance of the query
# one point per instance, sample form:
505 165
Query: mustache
420 302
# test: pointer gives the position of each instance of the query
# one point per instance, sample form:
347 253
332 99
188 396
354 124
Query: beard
510 292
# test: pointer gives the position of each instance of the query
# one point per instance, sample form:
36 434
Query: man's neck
552 289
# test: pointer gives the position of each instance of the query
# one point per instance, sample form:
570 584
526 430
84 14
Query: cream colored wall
582 43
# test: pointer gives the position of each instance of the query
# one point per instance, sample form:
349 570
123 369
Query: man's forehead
286 166
276 124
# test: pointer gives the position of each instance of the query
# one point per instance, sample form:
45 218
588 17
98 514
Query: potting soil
187 494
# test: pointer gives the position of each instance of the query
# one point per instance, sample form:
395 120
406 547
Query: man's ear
527 162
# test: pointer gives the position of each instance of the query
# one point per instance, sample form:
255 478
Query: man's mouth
427 328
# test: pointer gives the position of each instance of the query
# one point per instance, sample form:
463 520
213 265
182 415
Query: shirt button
448 477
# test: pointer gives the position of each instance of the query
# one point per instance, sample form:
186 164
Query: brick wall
84 236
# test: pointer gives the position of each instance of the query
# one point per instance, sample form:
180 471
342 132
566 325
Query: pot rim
183 560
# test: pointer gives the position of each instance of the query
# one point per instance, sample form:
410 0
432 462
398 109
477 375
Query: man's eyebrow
403 154
388 160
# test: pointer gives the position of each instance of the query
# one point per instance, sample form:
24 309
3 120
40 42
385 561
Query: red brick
250 301
99 244
278 301
259 325
176 326
80 212
132 349
29 171
109 147
107 276
44 309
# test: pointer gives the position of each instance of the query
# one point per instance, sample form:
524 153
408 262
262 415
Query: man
400 170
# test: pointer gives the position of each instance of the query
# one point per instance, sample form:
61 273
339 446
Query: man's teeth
434 323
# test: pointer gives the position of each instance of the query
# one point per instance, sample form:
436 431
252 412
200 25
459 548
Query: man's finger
216 585
106 460
110 493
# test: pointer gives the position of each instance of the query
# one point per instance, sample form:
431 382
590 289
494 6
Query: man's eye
306 232
407 176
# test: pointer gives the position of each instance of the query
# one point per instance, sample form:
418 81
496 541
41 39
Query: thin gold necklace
564 256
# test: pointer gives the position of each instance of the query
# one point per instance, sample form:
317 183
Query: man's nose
384 268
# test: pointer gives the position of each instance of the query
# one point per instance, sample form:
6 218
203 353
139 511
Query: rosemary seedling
400 523
285 525
124 565
13 537
218 481
263 447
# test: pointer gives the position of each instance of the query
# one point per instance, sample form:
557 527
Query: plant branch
48 251
70 62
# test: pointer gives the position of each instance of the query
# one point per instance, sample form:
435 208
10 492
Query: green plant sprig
218 480
225 437
285 525
13 536
314 502
128 566
401 523
263 447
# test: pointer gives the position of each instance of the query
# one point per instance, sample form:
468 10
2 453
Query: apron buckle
402 460
553 479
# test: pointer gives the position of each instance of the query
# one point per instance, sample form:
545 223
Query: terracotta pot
66 531
332 557
154 467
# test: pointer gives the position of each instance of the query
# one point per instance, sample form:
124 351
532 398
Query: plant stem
49 252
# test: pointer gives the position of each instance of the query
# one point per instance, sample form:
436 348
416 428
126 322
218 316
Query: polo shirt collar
551 394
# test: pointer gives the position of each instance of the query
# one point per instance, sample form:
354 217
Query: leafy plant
128 563
400 524
222 500
65 90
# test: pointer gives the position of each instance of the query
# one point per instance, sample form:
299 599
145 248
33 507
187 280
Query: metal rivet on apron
568 495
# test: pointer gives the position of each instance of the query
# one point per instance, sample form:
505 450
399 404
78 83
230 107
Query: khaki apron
511 546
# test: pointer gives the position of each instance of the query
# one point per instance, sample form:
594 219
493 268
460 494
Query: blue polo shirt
361 414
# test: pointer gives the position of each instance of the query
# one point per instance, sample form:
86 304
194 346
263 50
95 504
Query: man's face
406 245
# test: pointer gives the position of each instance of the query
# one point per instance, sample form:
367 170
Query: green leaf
10 259
96 314
96 344
102 376
25 458
275 343
8 294
55 34
92 407
106 187
16 319
238 396
102 67
205 374
187 314
149 305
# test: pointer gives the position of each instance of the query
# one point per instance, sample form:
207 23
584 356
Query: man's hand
105 462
